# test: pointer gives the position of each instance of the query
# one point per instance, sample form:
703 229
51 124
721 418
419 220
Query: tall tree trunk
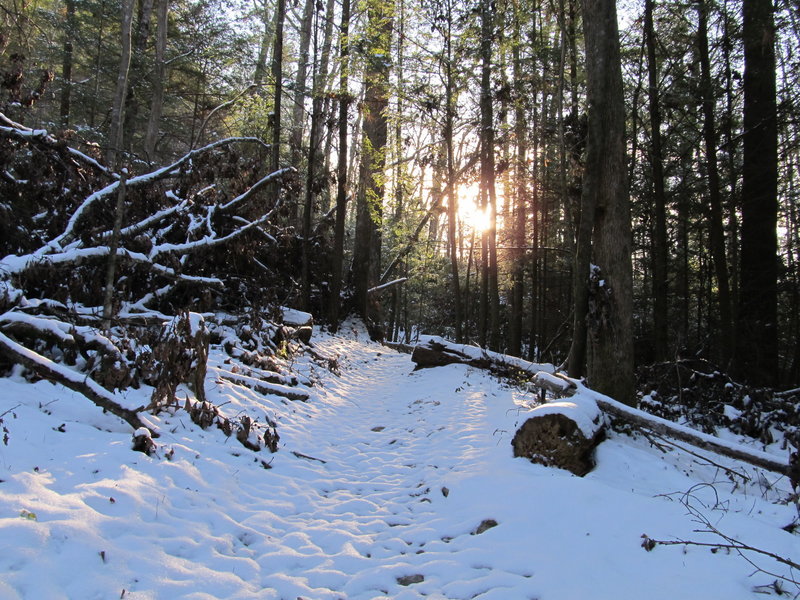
140 38
267 41
660 242
518 217
116 131
369 202
320 75
605 201
452 196
756 348
490 298
277 78
66 70
99 16
300 92
337 258
716 227
159 74
730 150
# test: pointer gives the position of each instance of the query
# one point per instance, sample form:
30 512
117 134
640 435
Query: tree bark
116 131
660 241
756 347
490 297
716 227
266 43
66 70
520 192
159 74
277 78
300 92
452 196
140 38
369 201
610 328
337 258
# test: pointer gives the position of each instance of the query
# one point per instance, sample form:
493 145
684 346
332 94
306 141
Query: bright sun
468 210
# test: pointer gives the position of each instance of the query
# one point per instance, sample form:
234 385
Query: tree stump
561 434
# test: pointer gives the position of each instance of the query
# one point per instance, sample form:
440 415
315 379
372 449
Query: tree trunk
660 242
490 298
369 201
66 70
267 42
298 108
519 213
116 131
337 259
716 227
610 355
145 12
756 348
277 78
96 71
159 74
452 196
314 165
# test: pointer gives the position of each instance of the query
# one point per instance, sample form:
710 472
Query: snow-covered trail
379 513
388 483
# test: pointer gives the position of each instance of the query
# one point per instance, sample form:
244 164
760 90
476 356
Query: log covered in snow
437 351
561 434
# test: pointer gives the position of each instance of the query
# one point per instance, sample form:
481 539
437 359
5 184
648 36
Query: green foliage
252 116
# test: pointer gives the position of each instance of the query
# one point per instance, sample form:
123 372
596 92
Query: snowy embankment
388 484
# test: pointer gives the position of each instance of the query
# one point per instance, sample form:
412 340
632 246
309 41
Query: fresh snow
581 409
387 484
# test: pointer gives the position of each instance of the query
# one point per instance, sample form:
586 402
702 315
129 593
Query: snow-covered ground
388 483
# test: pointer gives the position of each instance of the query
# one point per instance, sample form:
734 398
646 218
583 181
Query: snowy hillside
388 483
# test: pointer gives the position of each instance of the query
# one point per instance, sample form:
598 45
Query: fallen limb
73 380
263 387
436 351
439 352
639 418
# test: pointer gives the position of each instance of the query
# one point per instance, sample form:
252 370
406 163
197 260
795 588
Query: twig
10 410
730 543
307 457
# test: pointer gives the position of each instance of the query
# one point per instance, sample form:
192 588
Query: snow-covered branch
69 378
12 265
140 180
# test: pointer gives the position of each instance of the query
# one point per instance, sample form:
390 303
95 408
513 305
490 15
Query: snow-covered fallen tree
100 270
436 351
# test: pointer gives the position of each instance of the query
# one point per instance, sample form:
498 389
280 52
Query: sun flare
469 212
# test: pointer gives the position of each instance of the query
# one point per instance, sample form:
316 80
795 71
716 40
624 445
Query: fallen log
437 351
642 420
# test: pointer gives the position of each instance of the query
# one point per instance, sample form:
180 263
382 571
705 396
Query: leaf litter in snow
350 512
